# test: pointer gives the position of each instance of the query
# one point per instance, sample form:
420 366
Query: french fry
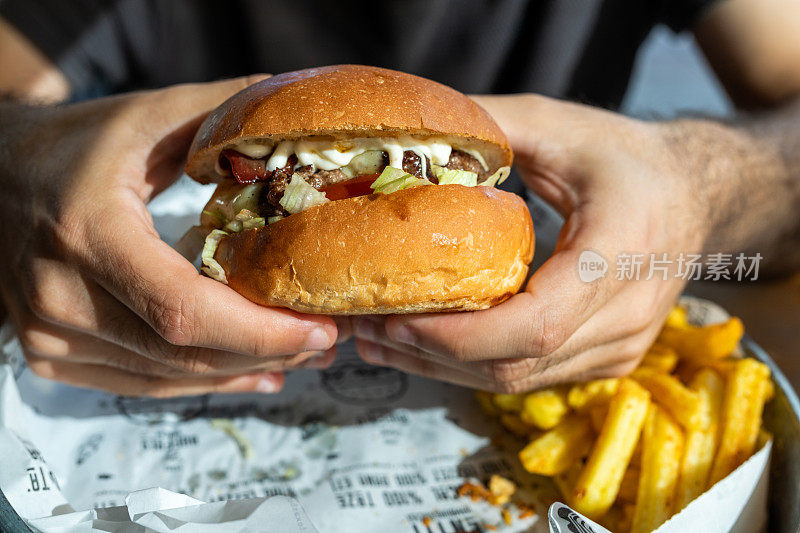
682 403
508 402
698 454
742 405
597 415
661 358
584 396
629 486
688 368
769 391
631 452
702 343
677 317
636 458
544 409
565 481
554 451
485 400
662 447
515 424
599 482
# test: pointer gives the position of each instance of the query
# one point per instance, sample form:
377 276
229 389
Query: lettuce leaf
210 265
389 175
299 196
498 177
447 176
393 180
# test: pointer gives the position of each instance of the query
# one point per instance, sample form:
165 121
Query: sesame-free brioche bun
425 249
344 101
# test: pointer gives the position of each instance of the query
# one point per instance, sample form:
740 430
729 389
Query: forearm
747 173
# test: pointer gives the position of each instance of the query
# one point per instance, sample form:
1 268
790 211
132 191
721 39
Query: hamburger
359 190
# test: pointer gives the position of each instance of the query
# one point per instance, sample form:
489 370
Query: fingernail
318 340
364 328
268 385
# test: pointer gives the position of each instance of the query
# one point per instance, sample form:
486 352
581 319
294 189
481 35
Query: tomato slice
358 186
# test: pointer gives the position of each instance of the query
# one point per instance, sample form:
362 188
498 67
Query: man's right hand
98 299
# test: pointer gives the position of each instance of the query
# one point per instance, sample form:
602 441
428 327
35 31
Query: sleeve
682 14
83 38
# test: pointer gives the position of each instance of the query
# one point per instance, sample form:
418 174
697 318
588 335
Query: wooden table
770 311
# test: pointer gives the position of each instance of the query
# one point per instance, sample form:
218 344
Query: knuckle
460 349
639 323
506 371
141 366
508 387
40 305
193 360
68 236
51 294
543 334
261 342
172 318
545 339
176 360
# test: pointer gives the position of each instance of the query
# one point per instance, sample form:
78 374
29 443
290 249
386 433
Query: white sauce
477 155
280 156
330 155
256 151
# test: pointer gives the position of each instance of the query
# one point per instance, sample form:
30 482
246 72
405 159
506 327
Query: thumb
171 116
178 105
545 133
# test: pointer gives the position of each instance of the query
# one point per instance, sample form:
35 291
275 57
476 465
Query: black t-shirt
576 49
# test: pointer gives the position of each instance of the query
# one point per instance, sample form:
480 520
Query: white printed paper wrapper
359 448
349 449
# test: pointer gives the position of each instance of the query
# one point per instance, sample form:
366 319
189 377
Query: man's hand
625 186
98 299
621 190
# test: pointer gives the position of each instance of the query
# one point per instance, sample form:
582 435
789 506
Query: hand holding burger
622 185
97 298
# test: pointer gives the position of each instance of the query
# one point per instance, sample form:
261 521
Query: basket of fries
665 446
